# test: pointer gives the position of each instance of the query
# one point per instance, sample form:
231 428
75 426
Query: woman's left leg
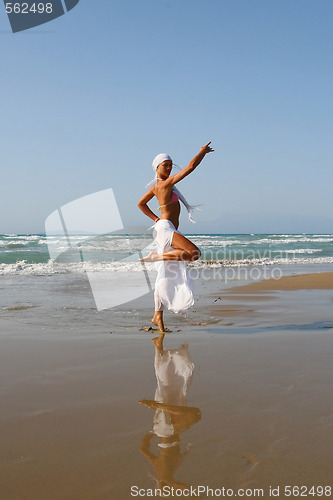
184 249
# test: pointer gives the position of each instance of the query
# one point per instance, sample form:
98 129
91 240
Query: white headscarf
160 158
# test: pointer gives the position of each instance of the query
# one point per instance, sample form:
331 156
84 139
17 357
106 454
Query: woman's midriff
171 212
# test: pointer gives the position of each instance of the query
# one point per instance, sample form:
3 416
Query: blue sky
90 98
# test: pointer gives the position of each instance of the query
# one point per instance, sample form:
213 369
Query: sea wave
30 253
303 250
24 268
292 239
49 268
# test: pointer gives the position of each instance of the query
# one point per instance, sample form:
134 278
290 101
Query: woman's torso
168 203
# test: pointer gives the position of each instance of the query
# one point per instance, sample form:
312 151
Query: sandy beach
318 281
79 419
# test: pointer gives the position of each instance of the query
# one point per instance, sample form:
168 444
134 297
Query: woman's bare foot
151 257
157 320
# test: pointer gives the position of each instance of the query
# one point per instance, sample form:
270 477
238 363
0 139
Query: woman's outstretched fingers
207 148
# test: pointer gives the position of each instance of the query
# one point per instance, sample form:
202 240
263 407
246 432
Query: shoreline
66 301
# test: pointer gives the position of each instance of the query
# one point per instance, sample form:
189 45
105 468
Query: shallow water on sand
67 300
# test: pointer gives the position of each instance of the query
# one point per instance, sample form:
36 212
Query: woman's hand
207 149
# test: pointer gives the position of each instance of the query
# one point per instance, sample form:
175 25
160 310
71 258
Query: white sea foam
216 243
25 237
23 268
288 239
264 262
291 240
303 250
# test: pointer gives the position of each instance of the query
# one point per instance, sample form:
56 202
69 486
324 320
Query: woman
173 288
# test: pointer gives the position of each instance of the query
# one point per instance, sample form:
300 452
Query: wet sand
73 428
319 281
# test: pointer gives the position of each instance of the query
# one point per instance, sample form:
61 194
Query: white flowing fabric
174 285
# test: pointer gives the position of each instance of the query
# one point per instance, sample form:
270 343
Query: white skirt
174 285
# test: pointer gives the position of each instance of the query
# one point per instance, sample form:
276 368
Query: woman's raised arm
173 179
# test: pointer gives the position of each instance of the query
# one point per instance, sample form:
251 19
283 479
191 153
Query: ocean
97 284
29 254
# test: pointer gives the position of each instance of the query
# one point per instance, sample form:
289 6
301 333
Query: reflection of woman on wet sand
174 371
173 289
